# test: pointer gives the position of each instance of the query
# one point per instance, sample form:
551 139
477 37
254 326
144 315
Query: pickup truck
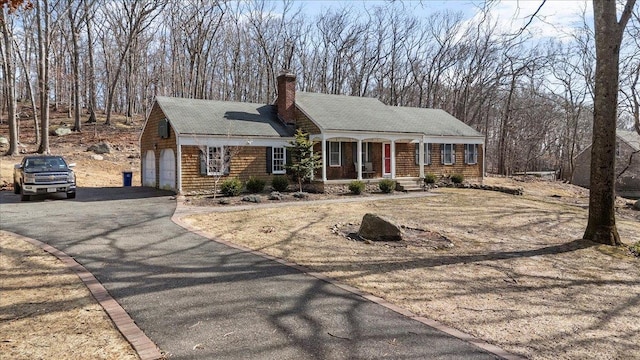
43 174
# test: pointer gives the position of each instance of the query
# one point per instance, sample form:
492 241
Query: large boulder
100 148
637 205
377 228
60 131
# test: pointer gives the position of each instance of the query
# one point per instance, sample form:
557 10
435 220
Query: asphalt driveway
198 299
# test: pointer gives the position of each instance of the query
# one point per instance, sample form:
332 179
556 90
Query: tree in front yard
303 160
601 227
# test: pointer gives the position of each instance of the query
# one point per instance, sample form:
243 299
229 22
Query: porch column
324 159
359 161
393 159
421 155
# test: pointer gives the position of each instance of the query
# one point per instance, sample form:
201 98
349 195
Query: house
186 144
627 165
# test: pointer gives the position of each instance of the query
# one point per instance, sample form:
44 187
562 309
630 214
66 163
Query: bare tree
601 226
43 37
8 70
128 19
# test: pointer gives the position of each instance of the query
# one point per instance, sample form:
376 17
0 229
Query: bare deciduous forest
531 96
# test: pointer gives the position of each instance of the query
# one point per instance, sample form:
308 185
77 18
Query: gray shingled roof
630 137
209 117
352 113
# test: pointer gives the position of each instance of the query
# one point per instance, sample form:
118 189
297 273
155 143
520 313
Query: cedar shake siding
406 165
305 124
246 161
150 140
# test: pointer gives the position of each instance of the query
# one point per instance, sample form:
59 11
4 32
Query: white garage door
167 170
149 166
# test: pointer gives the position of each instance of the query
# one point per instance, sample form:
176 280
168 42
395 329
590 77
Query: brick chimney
286 97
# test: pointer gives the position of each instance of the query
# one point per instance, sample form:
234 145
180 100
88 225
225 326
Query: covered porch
353 156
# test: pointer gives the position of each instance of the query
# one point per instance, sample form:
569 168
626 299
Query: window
427 154
334 154
471 154
448 153
278 160
365 153
217 160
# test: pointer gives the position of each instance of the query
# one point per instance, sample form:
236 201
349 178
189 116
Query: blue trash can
127 176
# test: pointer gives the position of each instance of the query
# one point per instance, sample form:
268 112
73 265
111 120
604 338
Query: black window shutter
226 163
354 152
269 159
203 163
417 150
288 157
343 161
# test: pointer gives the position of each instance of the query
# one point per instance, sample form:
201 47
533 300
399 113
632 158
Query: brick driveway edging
144 347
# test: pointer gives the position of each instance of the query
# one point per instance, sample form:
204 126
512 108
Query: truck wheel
71 195
16 188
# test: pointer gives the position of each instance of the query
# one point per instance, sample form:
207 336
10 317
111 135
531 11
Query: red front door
387 159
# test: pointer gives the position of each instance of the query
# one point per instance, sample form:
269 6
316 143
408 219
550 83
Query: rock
97 157
224 202
4 140
300 195
275 196
636 206
61 131
101 148
252 198
376 228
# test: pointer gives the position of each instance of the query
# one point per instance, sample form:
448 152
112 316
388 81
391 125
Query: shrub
457 178
255 185
635 249
231 187
356 187
280 183
387 185
430 179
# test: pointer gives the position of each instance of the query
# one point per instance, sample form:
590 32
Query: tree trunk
42 18
601 227
75 63
10 83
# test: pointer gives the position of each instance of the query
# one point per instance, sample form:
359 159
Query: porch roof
353 113
223 118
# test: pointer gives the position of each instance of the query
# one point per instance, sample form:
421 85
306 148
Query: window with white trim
278 160
218 159
448 153
471 154
427 154
335 155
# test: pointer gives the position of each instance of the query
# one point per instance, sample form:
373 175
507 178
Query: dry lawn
518 276
47 312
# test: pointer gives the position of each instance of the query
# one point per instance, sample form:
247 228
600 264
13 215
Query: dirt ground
518 275
46 311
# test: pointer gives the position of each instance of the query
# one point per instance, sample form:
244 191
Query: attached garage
167 169
149 168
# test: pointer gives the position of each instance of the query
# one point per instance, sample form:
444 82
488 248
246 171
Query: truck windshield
44 164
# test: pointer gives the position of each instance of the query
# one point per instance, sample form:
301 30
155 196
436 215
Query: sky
555 19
